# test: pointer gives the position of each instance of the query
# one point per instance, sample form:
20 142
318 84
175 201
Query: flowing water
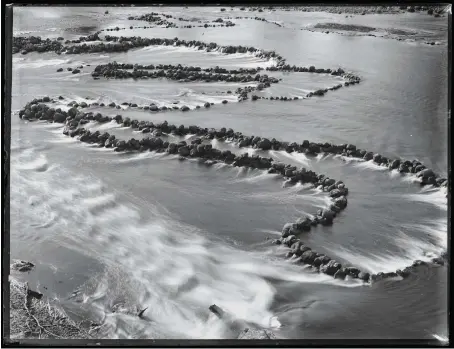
114 233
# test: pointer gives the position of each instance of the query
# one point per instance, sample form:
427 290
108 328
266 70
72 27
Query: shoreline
435 11
33 316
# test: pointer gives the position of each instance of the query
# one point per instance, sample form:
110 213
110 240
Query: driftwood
245 331
141 312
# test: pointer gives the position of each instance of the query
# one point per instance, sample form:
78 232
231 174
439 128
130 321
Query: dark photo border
7 22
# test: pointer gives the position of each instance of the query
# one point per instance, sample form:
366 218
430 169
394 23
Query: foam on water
102 200
441 338
22 32
162 256
404 177
274 232
370 165
347 159
325 202
411 248
38 63
295 156
155 260
141 156
411 178
256 177
220 165
40 163
394 174
108 126
295 193
436 230
431 195
159 258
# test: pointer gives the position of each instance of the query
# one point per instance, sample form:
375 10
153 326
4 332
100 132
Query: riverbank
33 316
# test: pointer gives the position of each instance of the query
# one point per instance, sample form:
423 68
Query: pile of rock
25 45
179 73
142 42
155 18
257 19
123 44
38 110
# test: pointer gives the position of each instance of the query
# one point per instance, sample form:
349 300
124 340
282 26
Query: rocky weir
109 43
74 119
181 73
160 19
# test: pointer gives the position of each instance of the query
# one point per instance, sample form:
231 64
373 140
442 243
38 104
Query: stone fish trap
74 119
179 73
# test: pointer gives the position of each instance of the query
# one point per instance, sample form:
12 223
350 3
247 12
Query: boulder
403 273
403 168
321 261
308 257
368 156
427 173
289 240
341 202
330 268
264 144
364 276
184 151
352 271
72 112
303 224
340 274
296 248
327 216
60 118
394 164
336 193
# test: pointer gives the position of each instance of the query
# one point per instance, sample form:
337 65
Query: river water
112 234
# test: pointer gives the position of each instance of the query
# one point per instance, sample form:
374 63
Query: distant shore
435 11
